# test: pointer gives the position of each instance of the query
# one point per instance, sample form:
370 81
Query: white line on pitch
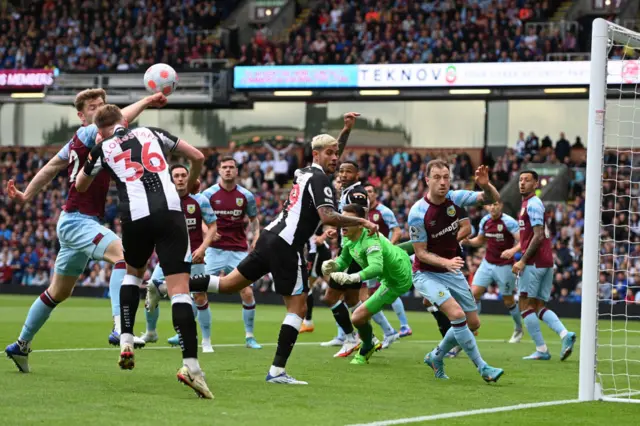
238 345
467 413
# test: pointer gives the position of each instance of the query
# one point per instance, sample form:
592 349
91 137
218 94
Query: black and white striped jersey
299 217
354 194
136 160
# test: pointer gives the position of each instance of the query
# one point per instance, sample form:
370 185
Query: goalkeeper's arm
374 267
406 246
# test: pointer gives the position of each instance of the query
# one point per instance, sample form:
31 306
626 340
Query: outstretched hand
350 119
14 193
482 176
158 100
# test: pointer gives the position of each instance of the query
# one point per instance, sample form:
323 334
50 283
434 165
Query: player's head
228 169
354 210
87 103
372 193
438 178
180 177
325 152
348 173
106 118
528 182
495 209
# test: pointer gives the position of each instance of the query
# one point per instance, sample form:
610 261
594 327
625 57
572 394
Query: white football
161 78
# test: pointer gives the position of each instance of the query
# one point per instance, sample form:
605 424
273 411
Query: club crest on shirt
441 294
500 228
239 202
376 217
451 211
191 208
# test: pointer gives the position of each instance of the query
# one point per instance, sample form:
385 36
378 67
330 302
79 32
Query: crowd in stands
384 31
28 234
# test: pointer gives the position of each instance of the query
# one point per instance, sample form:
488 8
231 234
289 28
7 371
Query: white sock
214 283
542 348
563 333
162 288
307 322
192 364
126 339
275 371
116 324
248 334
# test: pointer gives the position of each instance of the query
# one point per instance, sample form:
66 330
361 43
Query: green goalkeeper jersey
377 257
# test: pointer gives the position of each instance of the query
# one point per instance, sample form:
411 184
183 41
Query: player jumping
196 209
79 231
501 233
382 216
379 259
433 225
535 269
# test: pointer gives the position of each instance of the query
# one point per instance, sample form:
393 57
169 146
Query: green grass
86 387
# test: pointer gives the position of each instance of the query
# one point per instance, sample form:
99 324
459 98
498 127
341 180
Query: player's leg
398 308
529 306
482 279
390 334
203 311
152 314
507 284
351 301
307 322
333 299
549 317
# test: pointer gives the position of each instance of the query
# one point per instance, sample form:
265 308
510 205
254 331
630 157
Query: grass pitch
76 381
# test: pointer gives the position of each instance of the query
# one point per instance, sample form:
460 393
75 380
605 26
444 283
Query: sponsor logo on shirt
451 228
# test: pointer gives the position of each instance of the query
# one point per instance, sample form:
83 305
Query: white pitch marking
467 413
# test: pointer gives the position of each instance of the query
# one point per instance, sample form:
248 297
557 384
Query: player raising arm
433 224
501 233
377 258
152 219
535 269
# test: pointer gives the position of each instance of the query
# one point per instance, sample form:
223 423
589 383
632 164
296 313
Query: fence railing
562 27
574 56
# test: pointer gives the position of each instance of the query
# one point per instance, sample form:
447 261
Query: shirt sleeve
344 260
321 191
168 141
512 224
482 223
389 218
87 135
463 197
208 216
417 231
64 153
375 260
94 162
535 210
252 208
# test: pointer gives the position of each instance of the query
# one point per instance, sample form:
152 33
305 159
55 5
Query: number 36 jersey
136 160
531 215
75 153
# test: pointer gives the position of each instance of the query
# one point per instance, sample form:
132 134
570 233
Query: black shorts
322 254
286 264
166 232
352 269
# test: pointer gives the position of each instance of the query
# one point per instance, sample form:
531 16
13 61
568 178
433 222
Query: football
161 78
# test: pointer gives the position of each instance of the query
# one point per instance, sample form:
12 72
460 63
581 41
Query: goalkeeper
378 258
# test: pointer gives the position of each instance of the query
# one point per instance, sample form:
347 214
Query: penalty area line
152 346
468 413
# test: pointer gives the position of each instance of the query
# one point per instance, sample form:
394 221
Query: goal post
610 340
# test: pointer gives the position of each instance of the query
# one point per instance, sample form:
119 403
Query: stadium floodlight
610 330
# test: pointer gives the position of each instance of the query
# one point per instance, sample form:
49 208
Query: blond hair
320 142
436 164
88 95
108 115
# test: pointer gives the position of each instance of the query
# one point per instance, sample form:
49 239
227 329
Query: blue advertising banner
295 77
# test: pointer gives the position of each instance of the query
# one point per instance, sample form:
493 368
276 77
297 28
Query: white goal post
610 337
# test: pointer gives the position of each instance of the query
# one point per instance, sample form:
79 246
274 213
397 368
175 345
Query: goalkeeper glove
343 278
329 266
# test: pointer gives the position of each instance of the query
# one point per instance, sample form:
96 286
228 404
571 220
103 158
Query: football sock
152 318
383 322
129 301
204 284
533 327
37 316
467 341
204 318
366 335
342 317
478 306
185 325
551 319
341 335
443 322
248 316
115 282
286 340
398 308
515 314
309 315
447 343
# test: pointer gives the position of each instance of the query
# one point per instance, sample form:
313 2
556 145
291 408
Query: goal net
610 329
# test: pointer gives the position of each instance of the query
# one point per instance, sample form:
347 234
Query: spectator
563 148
